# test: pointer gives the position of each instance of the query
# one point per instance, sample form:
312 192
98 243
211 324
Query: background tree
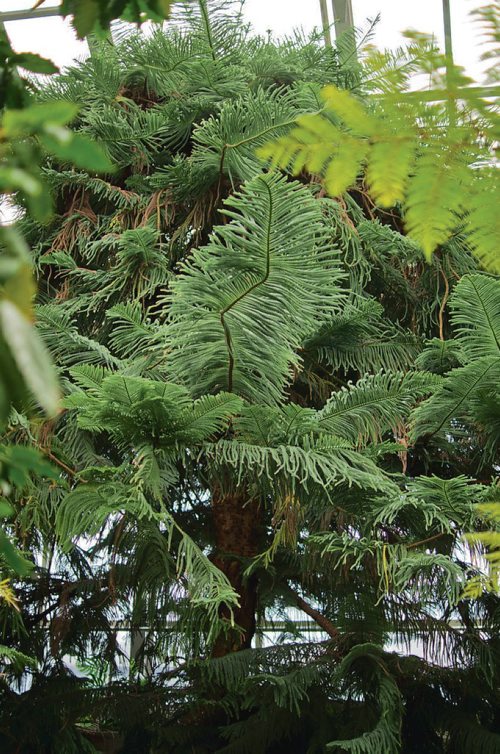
271 400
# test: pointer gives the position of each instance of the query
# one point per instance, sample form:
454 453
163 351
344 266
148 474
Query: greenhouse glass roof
42 31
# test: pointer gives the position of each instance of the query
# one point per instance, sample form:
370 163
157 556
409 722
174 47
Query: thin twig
443 303
424 541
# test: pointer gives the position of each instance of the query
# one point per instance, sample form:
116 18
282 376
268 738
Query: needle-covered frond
243 304
66 342
361 338
226 143
376 404
137 411
475 307
475 315
432 505
422 155
292 448
132 334
386 735
439 356
452 400
85 510
401 569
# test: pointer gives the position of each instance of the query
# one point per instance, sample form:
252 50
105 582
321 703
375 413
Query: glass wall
54 38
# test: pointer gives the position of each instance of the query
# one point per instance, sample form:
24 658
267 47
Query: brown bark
237 525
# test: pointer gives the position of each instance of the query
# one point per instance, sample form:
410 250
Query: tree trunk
237 527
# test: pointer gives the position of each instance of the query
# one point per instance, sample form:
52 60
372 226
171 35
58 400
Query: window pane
52 38
426 16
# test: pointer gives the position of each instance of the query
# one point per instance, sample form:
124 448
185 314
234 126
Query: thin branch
67 469
320 619
443 303
424 541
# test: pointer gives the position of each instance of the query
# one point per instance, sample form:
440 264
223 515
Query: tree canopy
272 402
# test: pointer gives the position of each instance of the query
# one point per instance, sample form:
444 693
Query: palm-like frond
243 304
475 314
375 404
475 306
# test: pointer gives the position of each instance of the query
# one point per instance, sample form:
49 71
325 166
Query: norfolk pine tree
272 400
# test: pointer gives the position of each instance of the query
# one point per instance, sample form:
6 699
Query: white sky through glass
54 38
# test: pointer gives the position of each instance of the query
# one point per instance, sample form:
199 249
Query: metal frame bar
28 14
448 42
325 22
343 17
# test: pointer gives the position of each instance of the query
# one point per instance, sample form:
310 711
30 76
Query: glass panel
426 16
52 38
282 16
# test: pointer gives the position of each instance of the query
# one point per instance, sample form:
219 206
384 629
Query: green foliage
385 736
267 409
29 132
376 404
87 508
256 258
17 464
362 339
458 401
490 541
90 15
430 152
26 367
15 659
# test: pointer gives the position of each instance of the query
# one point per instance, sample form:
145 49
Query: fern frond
411 153
483 224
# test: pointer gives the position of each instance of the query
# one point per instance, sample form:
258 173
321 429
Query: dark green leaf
17 179
77 149
30 356
34 63
13 557
19 462
86 16
36 117
6 510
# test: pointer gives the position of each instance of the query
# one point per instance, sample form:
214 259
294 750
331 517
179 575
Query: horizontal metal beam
461 93
28 14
